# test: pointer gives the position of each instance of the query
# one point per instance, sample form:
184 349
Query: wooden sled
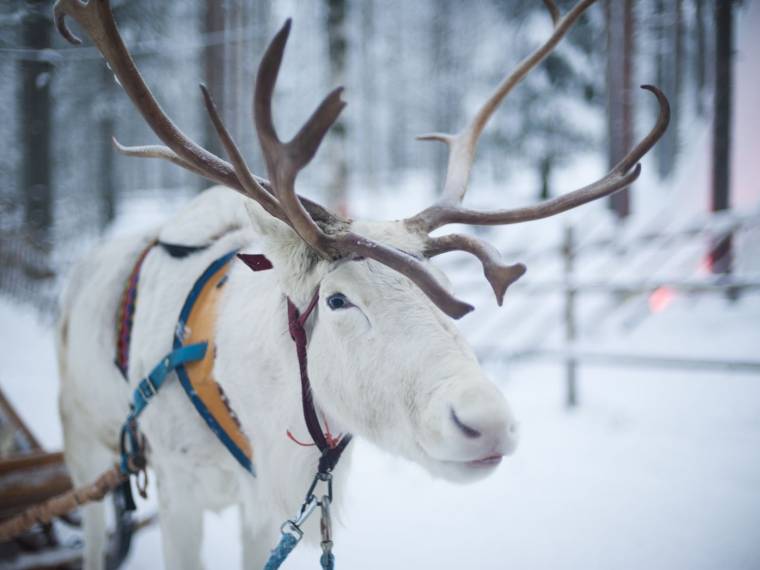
29 475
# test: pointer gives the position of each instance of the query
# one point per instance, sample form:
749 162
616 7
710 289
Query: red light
660 298
705 265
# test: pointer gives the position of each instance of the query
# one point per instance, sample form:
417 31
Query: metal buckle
147 388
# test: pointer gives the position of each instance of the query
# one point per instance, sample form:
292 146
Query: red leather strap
331 450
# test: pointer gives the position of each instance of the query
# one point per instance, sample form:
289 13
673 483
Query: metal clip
325 525
324 477
293 526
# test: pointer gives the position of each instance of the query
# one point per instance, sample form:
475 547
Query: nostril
464 428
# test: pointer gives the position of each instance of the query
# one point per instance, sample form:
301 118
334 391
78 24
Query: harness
192 358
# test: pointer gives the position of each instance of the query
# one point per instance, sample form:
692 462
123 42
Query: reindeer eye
338 301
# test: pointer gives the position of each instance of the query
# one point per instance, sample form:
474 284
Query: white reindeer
384 358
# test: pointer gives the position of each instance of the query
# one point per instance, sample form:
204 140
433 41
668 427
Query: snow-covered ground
656 469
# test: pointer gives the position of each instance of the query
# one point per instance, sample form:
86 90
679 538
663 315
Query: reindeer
385 360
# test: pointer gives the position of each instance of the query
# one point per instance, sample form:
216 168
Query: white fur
391 369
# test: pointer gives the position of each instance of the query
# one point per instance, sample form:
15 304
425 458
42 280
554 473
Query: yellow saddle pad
196 324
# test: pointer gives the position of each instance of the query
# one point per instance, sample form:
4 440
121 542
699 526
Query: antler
285 160
462 146
96 19
328 234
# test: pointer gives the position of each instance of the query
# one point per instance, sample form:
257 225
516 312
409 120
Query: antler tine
406 264
165 153
499 275
462 146
158 151
553 11
623 174
285 160
248 181
96 18
663 118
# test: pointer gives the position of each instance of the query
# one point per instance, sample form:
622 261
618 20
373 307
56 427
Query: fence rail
620 358
665 247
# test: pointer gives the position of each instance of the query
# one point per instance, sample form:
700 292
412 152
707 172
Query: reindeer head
394 366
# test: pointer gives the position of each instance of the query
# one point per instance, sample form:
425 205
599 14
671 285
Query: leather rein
330 449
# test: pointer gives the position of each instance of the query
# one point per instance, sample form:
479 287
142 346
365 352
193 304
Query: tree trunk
444 95
106 130
213 60
620 47
721 254
369 88
337 48
669 64
544 171
36 124
700 61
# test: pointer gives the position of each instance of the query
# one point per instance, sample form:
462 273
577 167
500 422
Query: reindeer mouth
490 461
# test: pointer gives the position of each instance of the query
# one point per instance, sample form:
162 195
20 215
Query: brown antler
462 146
96 19
285 160
622 174
447 209
326 233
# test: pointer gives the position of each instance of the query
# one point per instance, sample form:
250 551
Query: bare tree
445 111
368 89
700 56
669 76
36 122
106 178
620 109
722 122
337 43
213 59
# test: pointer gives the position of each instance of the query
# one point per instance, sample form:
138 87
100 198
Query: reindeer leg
85 459
181 521
258 536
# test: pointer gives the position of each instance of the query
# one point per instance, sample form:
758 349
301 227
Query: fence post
571 366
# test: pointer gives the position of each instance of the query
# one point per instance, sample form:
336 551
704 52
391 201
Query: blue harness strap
192 360
149 386
146 390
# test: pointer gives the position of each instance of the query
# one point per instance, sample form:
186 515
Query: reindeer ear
255 261
264 223
282 246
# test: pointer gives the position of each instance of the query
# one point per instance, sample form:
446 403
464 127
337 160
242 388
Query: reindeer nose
468 431
483 422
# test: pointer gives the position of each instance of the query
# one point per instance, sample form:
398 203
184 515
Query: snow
655 469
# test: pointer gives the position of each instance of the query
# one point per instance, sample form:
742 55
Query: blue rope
280 553
327 560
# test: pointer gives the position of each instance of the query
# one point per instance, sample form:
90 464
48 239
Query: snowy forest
627 351
408 68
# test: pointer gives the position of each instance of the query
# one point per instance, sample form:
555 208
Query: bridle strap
296 324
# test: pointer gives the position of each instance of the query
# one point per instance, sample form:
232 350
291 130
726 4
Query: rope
45 512
287 543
